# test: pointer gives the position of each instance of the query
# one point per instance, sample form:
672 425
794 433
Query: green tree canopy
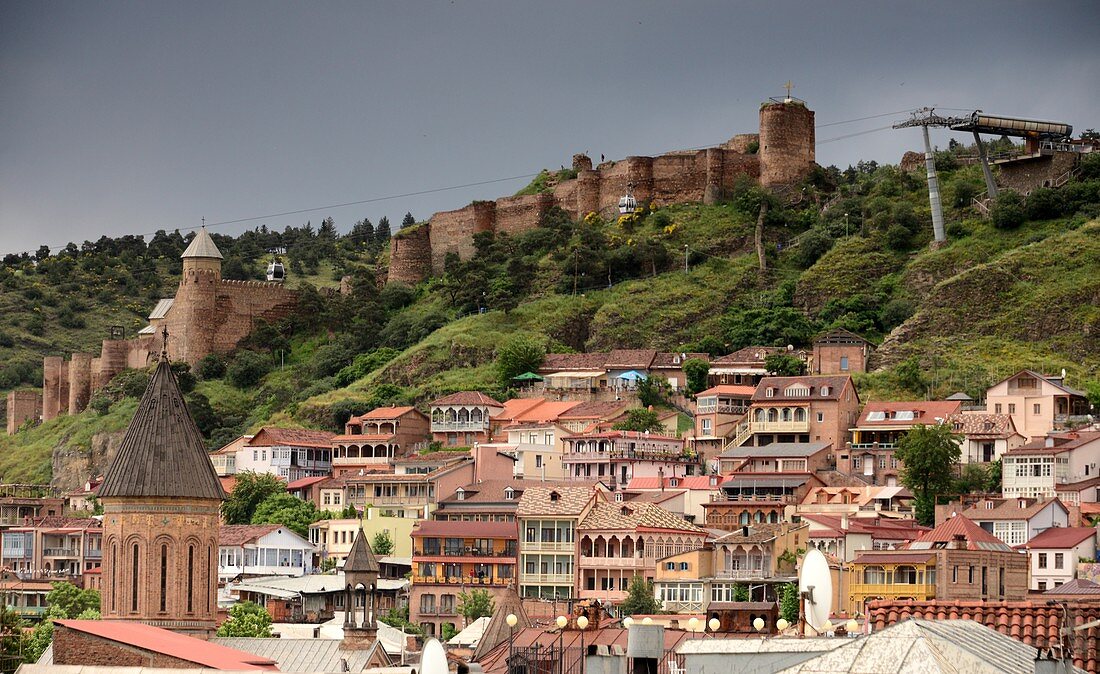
640 420
289 511
929 455
475 604
382 543
653 390
247 619
639 598
250 490
784 365
695 371
518 355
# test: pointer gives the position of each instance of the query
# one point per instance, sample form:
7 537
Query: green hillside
960 316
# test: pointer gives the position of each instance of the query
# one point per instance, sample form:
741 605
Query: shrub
247 368
1008 211
396 296
899 237
211 366
812 246
1043 204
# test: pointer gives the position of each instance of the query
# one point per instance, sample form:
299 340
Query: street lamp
512 620
561 622
782 624
693 624
758 624
628 622
647 620
852 627
582 625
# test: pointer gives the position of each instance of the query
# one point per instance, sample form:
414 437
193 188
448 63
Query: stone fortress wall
785 156
208 315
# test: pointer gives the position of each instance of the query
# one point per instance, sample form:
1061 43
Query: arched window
799 414
773 517
745 517
760 414
190 578
163 578
773 414
134 580
786 414
114 577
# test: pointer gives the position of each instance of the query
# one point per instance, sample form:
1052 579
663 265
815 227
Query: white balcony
546 546
612 562
459 426
546 579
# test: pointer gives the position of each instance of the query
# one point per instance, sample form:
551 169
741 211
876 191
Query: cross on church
789 86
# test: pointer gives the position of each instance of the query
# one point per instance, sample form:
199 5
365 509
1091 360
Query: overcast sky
121 118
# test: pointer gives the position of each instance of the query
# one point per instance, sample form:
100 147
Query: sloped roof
466 398
780 449
665 359
537 500
202 246
728 390
983 425
239 534
1008 509
926 647
596 410
626 359
361 559
840 336
1061 442
460 529
632 516
301 655
690 482
1075 586
1062 537
549 410
975 537
181 646
927 412
306 482
750 355
1057 382
161 309
836 384
498 631
1035 623
384 413
291 437
162 453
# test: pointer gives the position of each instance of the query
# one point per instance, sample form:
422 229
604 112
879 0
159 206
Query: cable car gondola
275 270
628 205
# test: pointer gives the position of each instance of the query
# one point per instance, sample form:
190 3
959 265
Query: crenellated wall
780 155
23 406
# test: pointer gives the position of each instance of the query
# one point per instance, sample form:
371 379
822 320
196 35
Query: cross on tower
789 86
204 217
164 332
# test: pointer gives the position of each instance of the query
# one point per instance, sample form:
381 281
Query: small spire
164 352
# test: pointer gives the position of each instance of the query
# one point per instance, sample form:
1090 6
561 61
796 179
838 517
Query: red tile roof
383 413
547 411
466 398
306 482
1061 442
375 437
239 534
728 390
975 537
888 557
635 359
457 529
157 640
691 482
1061 537
750 355
815 383
1035 623
596 410
927 412
292 437
626 435
1077 586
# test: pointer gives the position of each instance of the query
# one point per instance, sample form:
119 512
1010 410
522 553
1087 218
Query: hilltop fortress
784 155
209 314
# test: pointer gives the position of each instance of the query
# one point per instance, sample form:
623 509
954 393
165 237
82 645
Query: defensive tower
196 300
786 142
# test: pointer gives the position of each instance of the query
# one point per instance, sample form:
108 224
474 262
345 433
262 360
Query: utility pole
924 118
685 258
576 263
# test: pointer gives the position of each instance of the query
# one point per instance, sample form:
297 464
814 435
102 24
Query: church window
209 565
134 580
114 576
163 578
190 578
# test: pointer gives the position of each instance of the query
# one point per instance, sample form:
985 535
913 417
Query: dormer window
798 391
618 497
555 496
769 392
824 391
509 494
673 482
625 511
460 494
989 505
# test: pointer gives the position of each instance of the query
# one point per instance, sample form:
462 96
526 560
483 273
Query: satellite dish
433 660
815 585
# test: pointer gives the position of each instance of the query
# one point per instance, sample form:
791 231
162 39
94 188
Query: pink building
617 541
619 456
378 436
463 418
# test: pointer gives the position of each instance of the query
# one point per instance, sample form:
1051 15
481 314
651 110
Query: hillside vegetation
993 299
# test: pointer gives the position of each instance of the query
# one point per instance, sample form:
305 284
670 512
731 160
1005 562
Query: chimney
661 477
844 522
745 530
959 542
1049 442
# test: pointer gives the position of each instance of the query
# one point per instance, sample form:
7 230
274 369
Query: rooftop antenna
815 587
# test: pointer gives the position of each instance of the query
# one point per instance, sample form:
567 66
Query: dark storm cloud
127 118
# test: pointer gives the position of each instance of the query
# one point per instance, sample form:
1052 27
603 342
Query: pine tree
382 232
408 220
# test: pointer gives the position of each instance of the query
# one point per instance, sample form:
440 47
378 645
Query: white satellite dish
815 585
433 659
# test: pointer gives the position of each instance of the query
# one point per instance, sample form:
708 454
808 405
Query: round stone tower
195 304
786 142
161 499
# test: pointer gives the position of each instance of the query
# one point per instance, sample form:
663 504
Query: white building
1016 521
290 453
1054 555
262 550
985 437
1040 466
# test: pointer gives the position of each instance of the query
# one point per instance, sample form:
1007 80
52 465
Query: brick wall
453 231
80 382
73 647
1026 175
518 214
827 358
786 143
22 405
952 585
411 255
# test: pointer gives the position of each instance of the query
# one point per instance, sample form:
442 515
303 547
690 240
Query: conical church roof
202 246
361 559
162 453
498 631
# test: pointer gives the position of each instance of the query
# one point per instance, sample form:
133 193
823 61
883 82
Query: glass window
1059 560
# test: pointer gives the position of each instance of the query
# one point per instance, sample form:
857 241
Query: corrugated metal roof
162 452
300 655
781 449
202 246
161 310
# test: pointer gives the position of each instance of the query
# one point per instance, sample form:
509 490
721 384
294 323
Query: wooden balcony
914 590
